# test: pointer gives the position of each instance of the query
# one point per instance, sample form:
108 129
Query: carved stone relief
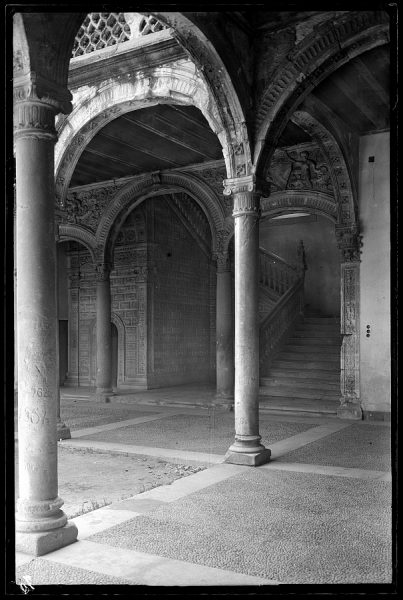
302 168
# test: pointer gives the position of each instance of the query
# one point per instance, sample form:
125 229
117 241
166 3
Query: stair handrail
275 328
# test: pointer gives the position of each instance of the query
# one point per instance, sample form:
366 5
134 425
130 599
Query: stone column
224 333
104 333
41 525
349 242
246 449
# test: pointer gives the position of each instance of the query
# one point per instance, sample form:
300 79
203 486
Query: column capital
103 271
246 197
36 103
349 241
235 185
223 262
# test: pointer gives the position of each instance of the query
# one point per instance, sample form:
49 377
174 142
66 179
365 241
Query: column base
350 410
63 432
40 543
102 395
247 450
223 401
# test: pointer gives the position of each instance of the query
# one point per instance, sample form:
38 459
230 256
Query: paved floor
319 512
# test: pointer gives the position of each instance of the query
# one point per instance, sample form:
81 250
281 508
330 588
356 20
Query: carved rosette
349 241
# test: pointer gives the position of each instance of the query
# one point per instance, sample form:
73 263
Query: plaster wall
322 278
374 198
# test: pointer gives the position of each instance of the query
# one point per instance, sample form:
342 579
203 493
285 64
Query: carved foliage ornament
86 207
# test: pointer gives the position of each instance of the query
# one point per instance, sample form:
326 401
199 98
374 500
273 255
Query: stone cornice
97 66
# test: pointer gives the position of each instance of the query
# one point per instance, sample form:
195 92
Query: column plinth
246 448
224 335
41 525
104 334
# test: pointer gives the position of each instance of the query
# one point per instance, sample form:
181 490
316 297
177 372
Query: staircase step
302 365
291 392
303 340
295 403
300 383
310 374
310 356
311 333
315 320
328 350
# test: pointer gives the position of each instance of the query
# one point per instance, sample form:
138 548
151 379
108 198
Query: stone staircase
305 375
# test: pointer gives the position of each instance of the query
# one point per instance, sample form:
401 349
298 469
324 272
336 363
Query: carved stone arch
171 84
77 234
137 191
295 201
345 201
327 48
201 50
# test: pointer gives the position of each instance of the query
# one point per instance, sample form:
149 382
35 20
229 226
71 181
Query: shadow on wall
322 277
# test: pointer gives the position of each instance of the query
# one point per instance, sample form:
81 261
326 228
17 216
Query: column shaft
224 335
247 448
104 334
40 524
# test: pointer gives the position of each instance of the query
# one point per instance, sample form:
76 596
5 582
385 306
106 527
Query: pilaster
349 242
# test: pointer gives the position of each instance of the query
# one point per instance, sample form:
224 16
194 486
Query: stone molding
172 83
77 234
295 201
328 47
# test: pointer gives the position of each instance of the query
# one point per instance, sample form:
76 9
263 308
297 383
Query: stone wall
163 304
182 304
